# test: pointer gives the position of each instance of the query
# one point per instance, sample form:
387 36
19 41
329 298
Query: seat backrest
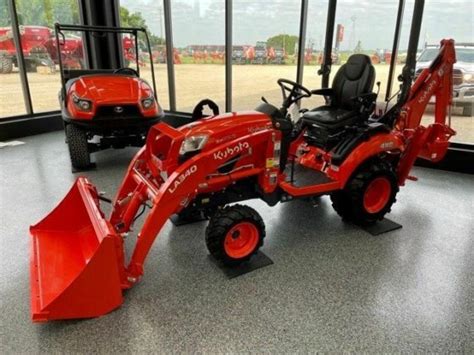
354 78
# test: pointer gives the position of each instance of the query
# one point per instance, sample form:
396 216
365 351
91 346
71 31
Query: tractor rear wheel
234 234
369 194
6 64
76 139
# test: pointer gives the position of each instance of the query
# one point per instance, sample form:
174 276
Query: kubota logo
180 179
229 151
428 92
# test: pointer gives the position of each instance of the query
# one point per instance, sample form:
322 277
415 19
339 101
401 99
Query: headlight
82 104
192 144
148 103
467 77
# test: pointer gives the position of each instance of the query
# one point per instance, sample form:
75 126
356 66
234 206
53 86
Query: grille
457 77
128 111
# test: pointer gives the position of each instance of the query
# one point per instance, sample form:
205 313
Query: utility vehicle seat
350 100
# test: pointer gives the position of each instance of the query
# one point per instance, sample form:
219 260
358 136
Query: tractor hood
226 127
111 89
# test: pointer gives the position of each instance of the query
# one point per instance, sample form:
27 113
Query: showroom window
441 21
265 48
36 20
438 24
11 94
147 14
357 26
265 36
199 40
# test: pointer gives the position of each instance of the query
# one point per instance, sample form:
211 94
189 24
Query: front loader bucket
74 260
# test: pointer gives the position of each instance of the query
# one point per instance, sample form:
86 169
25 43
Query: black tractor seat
331 117
350 102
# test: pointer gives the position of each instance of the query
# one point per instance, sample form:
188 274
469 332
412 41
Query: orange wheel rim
241 240
377 195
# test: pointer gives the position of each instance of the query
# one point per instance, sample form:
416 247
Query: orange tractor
78 263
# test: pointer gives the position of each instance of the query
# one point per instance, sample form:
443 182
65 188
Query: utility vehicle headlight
82 104
148 103
467 77
192 144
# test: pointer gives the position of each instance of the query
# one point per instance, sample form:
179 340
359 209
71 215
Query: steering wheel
295 90
126 71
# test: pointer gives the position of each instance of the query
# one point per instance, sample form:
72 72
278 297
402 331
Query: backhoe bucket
74 261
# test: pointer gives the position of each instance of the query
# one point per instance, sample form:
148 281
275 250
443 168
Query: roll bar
58 28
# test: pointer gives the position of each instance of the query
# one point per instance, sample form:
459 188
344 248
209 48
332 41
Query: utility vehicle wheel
234 234
6 65
368 195
78 148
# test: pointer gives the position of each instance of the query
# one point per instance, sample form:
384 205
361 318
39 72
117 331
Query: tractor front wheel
234 234
76 139
369 194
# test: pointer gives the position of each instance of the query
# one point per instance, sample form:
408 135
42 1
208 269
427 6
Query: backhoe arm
430 143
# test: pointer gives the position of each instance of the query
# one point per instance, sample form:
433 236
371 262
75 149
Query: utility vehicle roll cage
100 31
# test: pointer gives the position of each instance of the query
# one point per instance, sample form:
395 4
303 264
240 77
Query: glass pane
315 37
363 32
36 20
11 94
199 38
437 24
148 14
265 47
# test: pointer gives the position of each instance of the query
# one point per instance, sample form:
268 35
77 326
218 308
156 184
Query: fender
387 142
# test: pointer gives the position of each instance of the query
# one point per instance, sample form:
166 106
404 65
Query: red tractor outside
33 39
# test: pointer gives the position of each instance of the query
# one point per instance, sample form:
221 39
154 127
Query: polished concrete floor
332 287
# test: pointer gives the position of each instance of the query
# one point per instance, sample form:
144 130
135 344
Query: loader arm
431 142
170 187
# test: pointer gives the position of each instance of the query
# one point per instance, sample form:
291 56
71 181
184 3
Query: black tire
6 64
467 110
30 66
76 139
223 222
349 203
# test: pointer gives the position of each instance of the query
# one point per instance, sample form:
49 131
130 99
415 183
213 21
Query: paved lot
197 81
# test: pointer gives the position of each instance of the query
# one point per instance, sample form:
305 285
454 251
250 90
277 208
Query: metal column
396 40
327 61
228 55
20 58
302 41
170 54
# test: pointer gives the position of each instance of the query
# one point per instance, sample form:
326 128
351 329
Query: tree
287 42
135 19
47 12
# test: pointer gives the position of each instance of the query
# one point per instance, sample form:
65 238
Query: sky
370 21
